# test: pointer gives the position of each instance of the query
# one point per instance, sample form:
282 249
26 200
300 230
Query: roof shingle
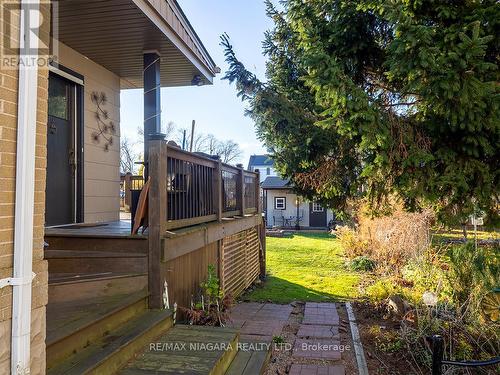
274 182
260 160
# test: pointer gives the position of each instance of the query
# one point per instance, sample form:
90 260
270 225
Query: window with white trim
316 207
279 203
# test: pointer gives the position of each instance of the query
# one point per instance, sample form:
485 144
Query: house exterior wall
263 169
8 142
101 168
273 216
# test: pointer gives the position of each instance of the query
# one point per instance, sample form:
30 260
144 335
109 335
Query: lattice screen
240 264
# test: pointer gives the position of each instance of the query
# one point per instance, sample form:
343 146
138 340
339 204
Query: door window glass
58 99
316 207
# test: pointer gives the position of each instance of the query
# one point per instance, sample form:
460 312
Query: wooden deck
110 229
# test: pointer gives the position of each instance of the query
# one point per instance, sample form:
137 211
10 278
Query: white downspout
25 186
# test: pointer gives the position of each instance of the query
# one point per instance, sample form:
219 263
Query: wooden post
218 190
127 185
242 190
262 235
257 193
157 217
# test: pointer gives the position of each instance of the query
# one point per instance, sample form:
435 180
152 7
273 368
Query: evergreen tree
382 98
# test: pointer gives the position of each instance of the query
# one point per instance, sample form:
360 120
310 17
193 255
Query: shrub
212 309
395 239
351 243
362 263
428 272
473 273
462 341
386 341
382 289
391 241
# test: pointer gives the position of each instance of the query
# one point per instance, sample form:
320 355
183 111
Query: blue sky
215 108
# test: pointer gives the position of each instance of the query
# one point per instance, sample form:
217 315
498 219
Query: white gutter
25 185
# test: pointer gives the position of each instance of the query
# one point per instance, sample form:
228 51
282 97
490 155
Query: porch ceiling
115 33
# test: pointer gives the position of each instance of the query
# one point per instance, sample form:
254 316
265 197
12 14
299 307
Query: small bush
382 289
428 272
362 263
473 273
386 341
212 309
390 241
351 243
395 239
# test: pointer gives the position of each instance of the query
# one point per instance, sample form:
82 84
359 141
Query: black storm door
317 215
61 160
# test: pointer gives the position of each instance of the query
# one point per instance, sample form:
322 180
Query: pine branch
247 83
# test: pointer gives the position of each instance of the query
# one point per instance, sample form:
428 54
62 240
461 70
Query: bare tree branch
127 156
228 151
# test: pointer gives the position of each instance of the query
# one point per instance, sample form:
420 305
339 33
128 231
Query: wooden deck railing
129 182
190 189
187 189
200 189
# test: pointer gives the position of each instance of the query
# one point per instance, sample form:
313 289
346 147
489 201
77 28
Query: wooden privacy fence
239 261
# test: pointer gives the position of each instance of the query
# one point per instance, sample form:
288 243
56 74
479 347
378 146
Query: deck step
67 287
111 352
186 350
76 277
70 326
65 254
95 243
79 261
252 358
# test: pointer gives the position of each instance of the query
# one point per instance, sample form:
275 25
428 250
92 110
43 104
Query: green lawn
305 267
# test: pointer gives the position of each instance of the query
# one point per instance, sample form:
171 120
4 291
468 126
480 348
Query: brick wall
8 134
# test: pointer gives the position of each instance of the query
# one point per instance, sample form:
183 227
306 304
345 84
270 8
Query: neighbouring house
279 202
285 209
79 293
262 164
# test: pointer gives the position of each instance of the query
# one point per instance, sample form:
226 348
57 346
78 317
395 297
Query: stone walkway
259 321
317 339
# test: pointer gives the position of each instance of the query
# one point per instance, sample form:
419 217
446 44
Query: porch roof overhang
116 33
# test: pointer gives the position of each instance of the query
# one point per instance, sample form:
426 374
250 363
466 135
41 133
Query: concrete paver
318 331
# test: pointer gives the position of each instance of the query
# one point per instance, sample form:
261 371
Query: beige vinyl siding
101 168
